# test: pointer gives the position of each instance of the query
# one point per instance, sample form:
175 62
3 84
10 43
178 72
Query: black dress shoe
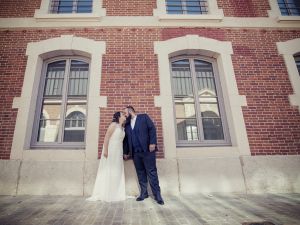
141 198
161 202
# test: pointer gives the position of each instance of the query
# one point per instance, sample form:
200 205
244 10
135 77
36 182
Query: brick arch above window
37 53
220 52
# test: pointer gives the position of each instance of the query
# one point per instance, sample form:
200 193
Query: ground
215 209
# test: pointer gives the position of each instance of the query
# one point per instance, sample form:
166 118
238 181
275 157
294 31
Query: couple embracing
129 135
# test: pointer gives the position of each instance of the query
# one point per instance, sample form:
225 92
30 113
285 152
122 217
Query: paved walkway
194 209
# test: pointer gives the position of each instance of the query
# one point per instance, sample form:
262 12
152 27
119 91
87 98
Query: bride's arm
108 134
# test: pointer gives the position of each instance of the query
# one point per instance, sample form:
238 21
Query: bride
110 181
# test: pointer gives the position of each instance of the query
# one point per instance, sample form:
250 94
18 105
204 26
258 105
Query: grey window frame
34 144
201 142
185 7
287 8
54 5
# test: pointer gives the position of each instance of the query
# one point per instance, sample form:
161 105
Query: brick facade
129 7
130 73
244 8
233 8
16 8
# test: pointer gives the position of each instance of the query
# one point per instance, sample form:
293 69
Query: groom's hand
125 157
152 147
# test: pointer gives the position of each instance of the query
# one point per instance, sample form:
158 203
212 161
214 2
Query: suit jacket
146 134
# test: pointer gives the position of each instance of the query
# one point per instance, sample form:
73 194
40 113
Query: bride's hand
105 154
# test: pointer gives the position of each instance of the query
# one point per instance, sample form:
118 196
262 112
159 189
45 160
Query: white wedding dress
110 181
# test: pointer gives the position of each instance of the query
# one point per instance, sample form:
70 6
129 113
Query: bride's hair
116 117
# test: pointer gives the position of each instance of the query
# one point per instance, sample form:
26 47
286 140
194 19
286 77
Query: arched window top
76 115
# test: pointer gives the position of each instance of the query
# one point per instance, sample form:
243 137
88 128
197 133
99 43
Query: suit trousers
145 165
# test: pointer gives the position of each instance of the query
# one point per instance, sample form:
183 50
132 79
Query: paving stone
215 209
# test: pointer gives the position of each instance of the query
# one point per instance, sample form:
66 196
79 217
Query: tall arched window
198 103
63 87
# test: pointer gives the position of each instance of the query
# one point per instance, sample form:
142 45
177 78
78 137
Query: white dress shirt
132 121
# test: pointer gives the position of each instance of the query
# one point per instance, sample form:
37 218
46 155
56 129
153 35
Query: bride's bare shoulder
112 126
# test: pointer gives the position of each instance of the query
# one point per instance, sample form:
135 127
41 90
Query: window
198 104
188 10
63 104
64 10
297 60
289 7
186 6
71 6
74 127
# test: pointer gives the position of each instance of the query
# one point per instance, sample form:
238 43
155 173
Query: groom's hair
130 107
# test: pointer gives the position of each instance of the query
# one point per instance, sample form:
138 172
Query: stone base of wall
250 174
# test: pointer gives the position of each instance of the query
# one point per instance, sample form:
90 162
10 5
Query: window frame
214 13
34 144
297 59
275 13
289 49
44 14
74 6
201 142
184 7
288 9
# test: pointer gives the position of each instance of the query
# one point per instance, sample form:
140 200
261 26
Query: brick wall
130 76
232 8
244 8
129 7
273 125
18 8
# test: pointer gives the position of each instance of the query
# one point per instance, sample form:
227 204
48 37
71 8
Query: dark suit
136 144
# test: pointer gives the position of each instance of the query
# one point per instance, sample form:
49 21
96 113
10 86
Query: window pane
49 122
211 119
196 7
84 6
78 80
75 123
186 119
55 79
65 6
289 7
209 110
209 106
187 129
174 7
185 109
182 80
213 129
205 78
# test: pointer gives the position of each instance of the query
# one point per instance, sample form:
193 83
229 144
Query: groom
140 143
